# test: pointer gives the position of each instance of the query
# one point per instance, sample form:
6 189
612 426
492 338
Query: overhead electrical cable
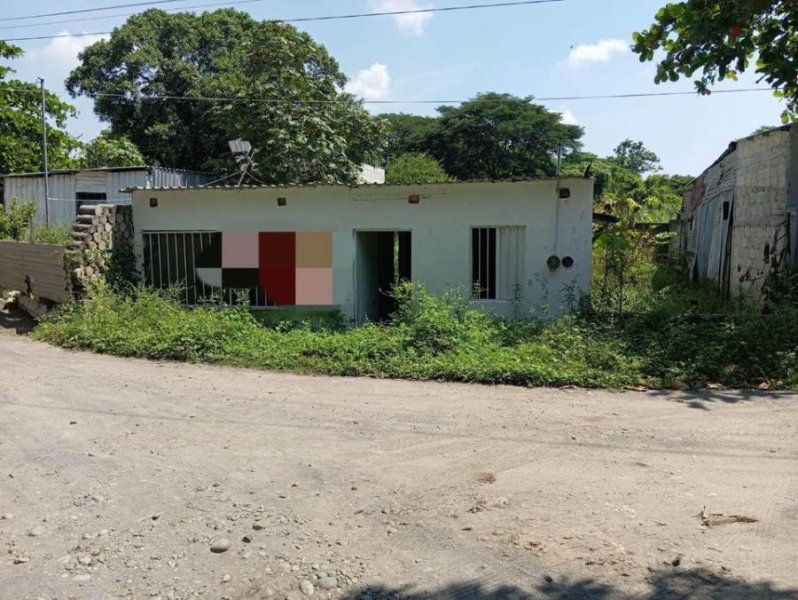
256 100
389 13
128 14
90 10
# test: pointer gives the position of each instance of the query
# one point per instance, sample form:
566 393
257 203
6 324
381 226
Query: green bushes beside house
672 344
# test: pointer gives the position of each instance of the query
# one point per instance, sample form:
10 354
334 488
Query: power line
245 99
90 10
389 13
128 14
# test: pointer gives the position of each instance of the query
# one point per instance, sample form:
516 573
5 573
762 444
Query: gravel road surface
132 479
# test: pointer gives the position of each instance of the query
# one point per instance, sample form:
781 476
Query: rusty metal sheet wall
718 179
42 263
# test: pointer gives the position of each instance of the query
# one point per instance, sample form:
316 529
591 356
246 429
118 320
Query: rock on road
132 479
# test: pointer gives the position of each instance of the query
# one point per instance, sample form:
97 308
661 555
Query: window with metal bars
497 262
483 262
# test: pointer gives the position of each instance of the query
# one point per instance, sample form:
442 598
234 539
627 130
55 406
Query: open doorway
383 260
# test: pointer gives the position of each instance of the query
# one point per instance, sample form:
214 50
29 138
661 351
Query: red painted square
277 250
279 285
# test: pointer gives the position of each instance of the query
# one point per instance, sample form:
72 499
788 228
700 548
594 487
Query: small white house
70 188
520 246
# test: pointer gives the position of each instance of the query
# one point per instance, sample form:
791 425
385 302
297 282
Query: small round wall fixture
568 262
553 263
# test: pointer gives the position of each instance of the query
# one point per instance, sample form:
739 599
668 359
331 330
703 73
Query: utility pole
44 155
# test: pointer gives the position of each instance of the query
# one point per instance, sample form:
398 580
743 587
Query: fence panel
34 268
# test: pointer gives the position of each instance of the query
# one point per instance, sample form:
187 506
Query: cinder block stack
97 232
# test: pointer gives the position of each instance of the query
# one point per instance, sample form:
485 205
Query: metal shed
72 187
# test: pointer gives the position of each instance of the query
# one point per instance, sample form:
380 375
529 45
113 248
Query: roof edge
356 185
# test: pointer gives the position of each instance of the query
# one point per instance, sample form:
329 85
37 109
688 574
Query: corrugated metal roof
104 170
348 185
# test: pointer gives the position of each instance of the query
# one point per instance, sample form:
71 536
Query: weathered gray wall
64 185
760 209
705 226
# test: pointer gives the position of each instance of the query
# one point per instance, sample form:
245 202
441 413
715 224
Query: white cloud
373 83
410 24
64 51
602 51
568 117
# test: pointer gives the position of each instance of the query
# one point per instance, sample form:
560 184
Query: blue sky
574 47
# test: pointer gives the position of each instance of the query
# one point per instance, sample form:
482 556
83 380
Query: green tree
719 39
612 179
496 136
407 133
107 150
664 196
635 157
21 127
581 164
658 197
415 168
284 94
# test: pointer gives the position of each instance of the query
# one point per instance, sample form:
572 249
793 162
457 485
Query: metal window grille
170 262
497 262
483 262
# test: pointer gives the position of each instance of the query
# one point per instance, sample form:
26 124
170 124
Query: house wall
760 208
440 224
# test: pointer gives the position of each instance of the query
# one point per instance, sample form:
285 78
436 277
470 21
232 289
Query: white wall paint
440 225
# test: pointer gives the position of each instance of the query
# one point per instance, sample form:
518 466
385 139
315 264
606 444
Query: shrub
59 235
16 220
443 337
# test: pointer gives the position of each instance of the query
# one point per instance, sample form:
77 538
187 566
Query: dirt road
117 476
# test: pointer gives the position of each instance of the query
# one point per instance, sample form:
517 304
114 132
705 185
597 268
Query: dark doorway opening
383 260
82 198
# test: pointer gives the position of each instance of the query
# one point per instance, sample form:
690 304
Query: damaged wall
736 223
761 227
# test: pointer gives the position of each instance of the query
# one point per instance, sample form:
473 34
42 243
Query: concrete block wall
763 174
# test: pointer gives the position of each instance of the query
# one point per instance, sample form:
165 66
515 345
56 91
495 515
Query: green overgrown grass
672 343
60 235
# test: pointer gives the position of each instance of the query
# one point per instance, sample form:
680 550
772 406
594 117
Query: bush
444 338
415 168
16 220
59 235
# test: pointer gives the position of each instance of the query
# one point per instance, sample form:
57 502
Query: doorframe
356 269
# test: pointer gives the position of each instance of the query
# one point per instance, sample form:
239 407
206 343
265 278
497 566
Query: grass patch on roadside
675 341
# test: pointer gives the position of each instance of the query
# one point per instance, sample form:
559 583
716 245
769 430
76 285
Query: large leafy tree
407 134
636 157
21 126
718 39
495 136
179 86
